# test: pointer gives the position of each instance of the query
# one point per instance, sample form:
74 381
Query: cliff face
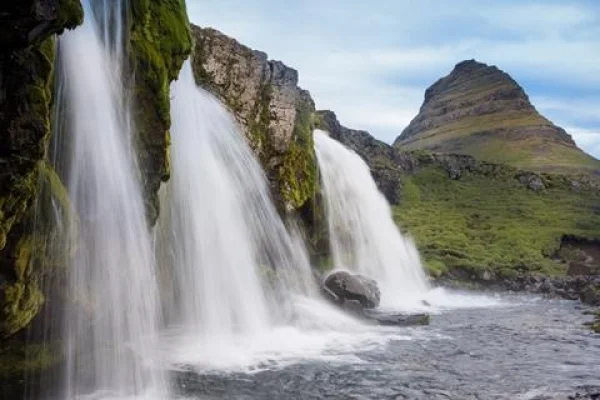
481 111
26 68
160 41
274 113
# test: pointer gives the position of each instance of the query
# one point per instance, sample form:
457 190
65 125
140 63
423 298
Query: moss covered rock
160 41
27 22
26 68
275 114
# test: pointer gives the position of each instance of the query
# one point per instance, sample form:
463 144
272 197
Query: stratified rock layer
481 111
275 114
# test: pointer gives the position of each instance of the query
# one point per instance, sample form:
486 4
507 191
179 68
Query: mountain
479 110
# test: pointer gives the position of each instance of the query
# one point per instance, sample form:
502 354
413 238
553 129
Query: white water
363 235
111 322
235 271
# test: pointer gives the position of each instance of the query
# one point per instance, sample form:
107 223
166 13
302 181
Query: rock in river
341 286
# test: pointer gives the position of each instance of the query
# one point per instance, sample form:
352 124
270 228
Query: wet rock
392 319
346 286
591 296
586 393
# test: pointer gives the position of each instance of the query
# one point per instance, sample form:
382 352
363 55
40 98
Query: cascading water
232 264
111 320
363 235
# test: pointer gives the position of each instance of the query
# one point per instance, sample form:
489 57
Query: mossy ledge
274 113
160 41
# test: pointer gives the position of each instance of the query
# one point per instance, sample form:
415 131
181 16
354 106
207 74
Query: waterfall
111 319
231 262
363 235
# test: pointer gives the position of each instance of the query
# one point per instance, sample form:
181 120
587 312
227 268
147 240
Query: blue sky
371 61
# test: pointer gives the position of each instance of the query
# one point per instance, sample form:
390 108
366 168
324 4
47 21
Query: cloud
372 64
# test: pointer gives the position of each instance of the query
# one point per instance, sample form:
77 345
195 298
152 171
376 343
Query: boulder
342 286
590 295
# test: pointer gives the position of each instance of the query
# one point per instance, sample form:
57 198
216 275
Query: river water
505 347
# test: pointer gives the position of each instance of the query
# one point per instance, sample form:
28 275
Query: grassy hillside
492 138
481 222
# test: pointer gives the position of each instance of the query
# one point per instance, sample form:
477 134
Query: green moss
17 358
70 14
298 172
488 220
160 42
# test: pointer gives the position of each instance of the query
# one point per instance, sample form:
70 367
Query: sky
371 61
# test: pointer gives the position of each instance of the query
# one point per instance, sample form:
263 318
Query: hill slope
481 111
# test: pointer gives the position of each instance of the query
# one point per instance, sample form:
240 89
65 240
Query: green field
494 223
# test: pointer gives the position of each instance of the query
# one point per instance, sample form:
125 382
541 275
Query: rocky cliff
275 114
159 43
26 69
481 111
27 54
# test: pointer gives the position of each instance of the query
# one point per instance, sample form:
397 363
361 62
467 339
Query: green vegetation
530 151
235 74
297 176
160 42
491 221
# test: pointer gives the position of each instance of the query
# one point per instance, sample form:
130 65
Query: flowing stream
516 348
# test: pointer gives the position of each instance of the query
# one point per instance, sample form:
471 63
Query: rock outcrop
275 114
26 68
27 54
481 111
160 41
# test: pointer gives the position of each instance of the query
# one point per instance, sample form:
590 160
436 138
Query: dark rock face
27 22
27 55
275 114
481 111
344 287
591 295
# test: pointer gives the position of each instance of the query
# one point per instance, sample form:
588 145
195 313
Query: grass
530 151
482 223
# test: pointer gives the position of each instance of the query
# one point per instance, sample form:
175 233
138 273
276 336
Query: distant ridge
479 110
